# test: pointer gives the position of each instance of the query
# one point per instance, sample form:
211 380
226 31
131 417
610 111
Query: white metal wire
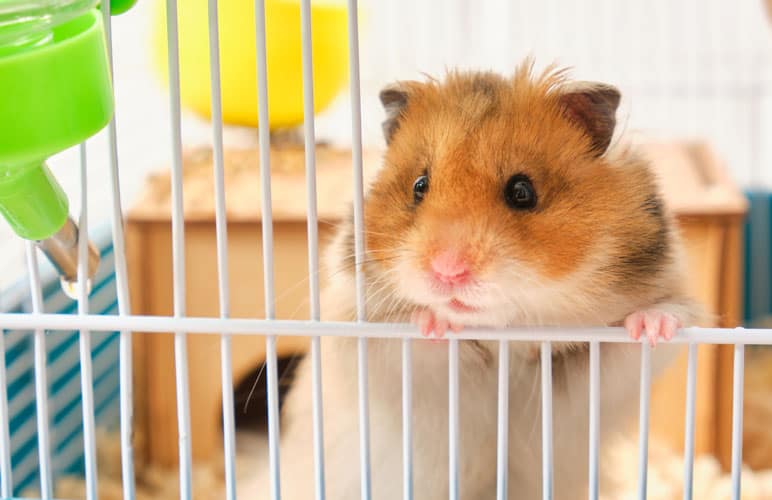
296 328
546 419
364 419
41 378
316 394
738 378
267 232
273 416
691 396
313 241
86 372
453 479
356 152
502 446
407 420
6 481
223 281
265 160
359 240
178 256
594 434
310 157
122 291
643 419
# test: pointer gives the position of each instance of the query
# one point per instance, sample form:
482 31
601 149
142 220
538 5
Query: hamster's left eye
420 187
519 193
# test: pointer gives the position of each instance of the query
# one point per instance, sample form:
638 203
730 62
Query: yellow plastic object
238 62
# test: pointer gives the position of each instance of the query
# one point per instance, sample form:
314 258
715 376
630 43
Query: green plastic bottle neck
31 200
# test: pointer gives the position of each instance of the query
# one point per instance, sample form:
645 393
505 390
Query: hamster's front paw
657 324
433 326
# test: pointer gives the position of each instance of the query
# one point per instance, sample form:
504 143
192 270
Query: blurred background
696 80
689 68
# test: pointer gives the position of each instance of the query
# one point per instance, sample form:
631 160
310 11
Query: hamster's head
497 202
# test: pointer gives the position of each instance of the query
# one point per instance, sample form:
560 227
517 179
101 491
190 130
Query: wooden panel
156 385
703 243
732 299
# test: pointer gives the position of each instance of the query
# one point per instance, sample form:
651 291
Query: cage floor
665 475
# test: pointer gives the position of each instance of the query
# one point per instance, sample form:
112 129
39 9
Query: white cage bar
223 281
546 420
178 256
691 396
407 418
737 418
594 433
643 419
84 342
267 233
313 244
41 377
502 447
453 430
125 354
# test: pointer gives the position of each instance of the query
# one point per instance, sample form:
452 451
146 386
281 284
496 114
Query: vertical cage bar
502 447
359 242
265 160
316 362
310 157
273 416
86 372
267 233
178 255
453 406
221 229
691 395
122 291
407 420
643 419
594 441
41 377
6 481
364 420
546 419
738 378
356 151
313 242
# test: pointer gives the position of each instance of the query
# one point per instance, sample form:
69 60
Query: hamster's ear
593 107
394 99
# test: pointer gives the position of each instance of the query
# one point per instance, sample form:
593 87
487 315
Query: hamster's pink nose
450 268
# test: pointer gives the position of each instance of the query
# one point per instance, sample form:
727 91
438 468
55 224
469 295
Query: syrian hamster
500 202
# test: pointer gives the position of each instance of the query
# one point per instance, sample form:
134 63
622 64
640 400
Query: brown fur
475 130
597 247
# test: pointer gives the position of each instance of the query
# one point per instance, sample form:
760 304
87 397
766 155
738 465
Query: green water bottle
55 92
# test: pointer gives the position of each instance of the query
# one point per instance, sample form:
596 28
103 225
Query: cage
694 70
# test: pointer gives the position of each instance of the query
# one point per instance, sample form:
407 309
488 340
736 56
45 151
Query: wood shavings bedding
665 475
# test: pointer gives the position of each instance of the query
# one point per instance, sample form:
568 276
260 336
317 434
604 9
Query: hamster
500 203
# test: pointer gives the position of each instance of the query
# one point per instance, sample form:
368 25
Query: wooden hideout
708 207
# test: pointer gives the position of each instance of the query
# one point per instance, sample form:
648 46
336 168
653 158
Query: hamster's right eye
519 193
420 187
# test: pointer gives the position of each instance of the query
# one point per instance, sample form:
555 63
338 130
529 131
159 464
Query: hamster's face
491 200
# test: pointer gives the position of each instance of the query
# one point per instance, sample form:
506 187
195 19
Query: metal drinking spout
62 250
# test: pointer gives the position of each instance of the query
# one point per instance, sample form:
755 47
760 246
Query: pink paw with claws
432 326
656 324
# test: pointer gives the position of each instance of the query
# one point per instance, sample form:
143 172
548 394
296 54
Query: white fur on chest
477 420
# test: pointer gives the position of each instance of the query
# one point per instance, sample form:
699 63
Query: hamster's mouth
460 307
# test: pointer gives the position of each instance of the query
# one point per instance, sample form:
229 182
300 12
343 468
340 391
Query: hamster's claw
657 325
432 326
